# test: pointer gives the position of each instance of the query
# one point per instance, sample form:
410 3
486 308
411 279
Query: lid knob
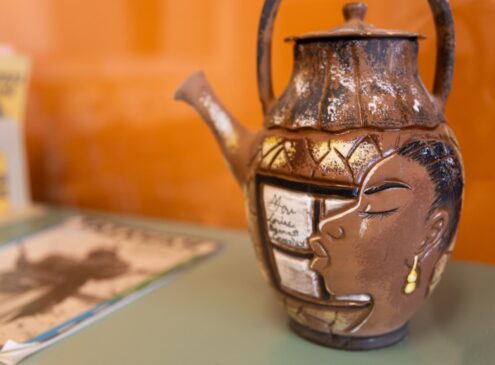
354 11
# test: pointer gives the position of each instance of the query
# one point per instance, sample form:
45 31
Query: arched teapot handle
444 70
264 55
444 24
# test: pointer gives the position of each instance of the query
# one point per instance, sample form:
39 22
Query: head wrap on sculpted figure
444 168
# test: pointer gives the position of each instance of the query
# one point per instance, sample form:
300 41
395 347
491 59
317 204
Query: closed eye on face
368 213
382 214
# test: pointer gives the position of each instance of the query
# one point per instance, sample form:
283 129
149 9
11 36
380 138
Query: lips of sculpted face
385 225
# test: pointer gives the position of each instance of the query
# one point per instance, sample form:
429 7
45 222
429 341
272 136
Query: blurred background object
103 131
14 79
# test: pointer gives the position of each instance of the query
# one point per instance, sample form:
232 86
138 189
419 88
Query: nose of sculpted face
332 226
334 231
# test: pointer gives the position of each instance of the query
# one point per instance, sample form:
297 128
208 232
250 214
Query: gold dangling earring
412 278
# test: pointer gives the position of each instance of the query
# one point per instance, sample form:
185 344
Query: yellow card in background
4 193
14 74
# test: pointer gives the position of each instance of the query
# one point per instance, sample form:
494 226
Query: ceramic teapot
354 184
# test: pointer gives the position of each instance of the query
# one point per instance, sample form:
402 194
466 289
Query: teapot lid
355 26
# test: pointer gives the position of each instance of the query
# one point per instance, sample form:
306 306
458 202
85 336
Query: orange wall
103 130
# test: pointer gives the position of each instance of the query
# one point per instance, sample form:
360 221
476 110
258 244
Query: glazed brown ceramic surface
354 185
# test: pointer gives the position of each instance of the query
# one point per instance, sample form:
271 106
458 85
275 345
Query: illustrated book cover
62 278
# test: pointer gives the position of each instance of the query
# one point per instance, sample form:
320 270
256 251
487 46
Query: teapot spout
233 138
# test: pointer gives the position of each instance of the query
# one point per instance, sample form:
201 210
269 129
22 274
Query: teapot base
350 343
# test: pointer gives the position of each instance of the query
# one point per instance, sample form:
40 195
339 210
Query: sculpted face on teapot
354 185
359 211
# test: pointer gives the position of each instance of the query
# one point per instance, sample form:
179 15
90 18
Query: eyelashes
382 214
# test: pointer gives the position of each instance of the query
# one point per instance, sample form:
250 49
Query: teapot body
341 220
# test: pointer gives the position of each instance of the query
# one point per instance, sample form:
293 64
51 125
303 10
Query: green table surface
222 312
